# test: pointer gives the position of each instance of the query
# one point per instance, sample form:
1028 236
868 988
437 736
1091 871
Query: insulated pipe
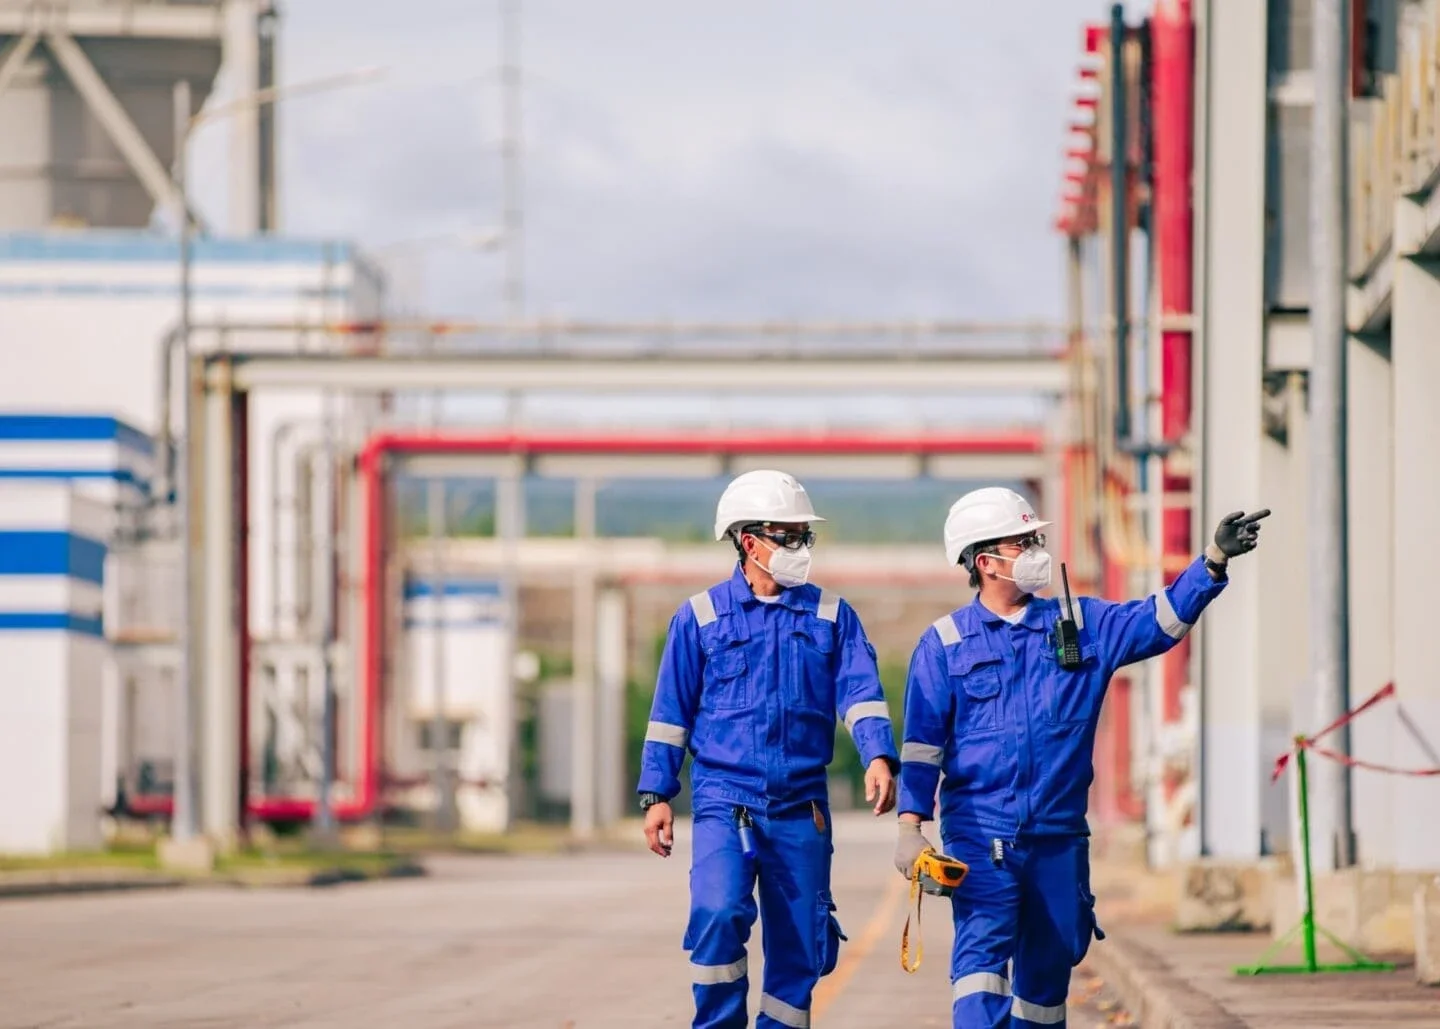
1328 560
1172 32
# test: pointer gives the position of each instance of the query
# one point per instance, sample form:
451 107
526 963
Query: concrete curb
100 880
105 880
1150 989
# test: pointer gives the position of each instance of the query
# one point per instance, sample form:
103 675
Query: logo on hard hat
1024 517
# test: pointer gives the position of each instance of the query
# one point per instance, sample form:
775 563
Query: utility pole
510 118
183 823
1329 600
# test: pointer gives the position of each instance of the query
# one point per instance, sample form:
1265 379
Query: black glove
1237 533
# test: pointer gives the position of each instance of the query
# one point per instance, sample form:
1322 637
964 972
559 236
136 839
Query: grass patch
127 858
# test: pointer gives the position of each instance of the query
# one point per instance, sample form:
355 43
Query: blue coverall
988 704
752 690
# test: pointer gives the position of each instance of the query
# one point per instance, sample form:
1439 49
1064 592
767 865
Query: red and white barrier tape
1309 743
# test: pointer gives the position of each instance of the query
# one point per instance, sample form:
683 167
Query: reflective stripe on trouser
794 872
1049 881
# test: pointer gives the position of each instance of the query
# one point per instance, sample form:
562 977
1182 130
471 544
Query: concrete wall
1372 658
54 653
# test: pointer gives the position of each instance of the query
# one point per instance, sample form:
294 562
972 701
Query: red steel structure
368 777
1105 467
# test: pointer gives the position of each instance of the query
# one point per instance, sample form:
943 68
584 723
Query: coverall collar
1033 619
741 592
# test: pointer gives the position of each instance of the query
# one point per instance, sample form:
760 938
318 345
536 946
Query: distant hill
683 510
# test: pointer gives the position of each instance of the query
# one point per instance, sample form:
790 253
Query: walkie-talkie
1067 634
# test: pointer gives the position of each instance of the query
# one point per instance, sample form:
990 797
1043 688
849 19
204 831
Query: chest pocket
727 680
812 666
975 681
1072 695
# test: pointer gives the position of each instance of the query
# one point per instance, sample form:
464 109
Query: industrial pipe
1328 542
368 776
1172 34
1120 221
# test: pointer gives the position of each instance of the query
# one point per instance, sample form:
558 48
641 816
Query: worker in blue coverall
989 704
754 673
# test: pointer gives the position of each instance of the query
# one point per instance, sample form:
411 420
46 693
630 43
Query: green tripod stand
1307 925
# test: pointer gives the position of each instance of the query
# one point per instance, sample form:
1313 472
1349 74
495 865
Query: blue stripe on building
51 621
415 588
62 428
52 553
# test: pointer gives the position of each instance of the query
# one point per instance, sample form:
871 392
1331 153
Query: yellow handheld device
935 874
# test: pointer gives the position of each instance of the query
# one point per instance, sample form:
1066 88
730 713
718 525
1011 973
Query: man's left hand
880 786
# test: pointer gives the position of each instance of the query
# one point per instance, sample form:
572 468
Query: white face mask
1031 568
789 567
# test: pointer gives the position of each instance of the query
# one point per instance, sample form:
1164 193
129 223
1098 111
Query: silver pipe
1329 600
183 823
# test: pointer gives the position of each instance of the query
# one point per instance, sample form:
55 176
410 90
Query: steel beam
108 19
14 56
1037 373
118 124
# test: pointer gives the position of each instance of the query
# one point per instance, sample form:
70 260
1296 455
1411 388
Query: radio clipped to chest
1065 636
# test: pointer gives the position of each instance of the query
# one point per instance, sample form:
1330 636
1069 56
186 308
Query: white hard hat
762 496
987 514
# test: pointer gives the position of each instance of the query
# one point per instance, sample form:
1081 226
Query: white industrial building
1263 425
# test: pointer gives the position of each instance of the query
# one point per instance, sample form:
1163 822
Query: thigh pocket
829 934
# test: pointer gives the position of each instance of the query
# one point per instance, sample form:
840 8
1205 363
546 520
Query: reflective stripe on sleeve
980 982
949 633
664 732
1170 622
866 709
716 975
1040 1014
829 607
922 754
785 1014
703 607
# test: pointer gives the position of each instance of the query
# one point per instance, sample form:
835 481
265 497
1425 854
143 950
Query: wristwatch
649 800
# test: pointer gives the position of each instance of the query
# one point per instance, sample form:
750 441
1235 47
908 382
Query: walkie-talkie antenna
1069 604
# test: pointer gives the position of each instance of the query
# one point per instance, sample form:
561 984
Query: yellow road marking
831 986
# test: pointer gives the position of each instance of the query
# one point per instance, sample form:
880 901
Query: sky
756 159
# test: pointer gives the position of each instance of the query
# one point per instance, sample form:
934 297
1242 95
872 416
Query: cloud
841 158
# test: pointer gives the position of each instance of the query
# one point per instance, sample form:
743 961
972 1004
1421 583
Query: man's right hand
908 848
660 828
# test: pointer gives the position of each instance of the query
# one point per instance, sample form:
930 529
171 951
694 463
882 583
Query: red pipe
367 797
1003 443
1173 40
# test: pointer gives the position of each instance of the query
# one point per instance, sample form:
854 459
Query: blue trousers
800 934
1034 912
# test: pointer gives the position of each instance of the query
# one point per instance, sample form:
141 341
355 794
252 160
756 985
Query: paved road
552 943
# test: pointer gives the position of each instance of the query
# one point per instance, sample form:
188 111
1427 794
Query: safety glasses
790 539
1035 541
